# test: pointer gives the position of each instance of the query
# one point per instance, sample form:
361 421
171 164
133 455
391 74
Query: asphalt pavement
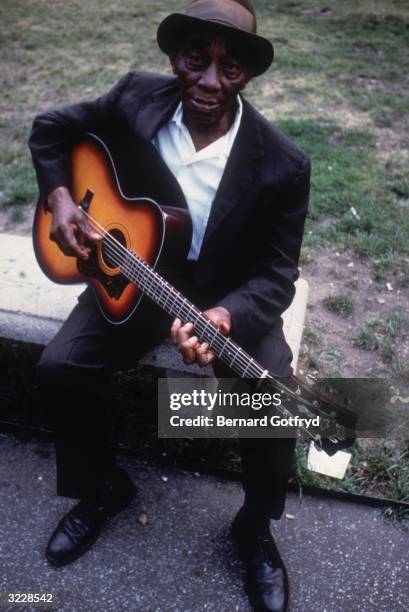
341 556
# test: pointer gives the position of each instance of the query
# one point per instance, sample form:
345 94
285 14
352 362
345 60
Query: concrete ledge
32 308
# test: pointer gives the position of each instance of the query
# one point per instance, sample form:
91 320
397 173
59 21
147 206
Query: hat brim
257 50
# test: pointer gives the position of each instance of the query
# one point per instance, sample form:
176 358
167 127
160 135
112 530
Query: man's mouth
204 105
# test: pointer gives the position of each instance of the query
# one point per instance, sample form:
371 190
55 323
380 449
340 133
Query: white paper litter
335 466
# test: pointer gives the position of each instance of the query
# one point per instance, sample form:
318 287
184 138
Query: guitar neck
154 286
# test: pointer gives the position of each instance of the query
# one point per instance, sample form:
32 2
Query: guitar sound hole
112 253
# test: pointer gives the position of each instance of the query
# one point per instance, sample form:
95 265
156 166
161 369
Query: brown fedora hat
235 19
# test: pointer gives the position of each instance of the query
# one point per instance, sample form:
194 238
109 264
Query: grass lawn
339 87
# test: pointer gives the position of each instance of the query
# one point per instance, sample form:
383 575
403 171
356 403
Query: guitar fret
224 346
205 328
235 357
190 313
129 269
156 285
181 315
198 317
215 335
134 267
173 303
147 278
229 352
162 288
166 299
247 367
145 283
170 301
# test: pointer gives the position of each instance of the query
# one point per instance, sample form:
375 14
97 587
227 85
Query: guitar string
241 359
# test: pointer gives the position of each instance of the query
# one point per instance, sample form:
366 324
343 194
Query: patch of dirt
317 11
332 272
392 143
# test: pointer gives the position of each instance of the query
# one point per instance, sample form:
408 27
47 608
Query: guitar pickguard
114 285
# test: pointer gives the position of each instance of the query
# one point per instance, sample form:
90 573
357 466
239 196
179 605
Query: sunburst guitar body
140 225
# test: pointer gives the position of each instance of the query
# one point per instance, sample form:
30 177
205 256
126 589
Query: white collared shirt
198 172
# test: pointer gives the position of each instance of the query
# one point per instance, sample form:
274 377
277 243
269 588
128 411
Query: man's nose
210 78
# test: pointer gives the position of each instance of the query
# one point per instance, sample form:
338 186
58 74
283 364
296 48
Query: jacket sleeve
54 134
269 289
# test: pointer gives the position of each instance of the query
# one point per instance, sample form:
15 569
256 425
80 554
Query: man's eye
195 61
232 69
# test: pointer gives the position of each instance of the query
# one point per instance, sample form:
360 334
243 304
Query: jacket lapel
156 109
240 173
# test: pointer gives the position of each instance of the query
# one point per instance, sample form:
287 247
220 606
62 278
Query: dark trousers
74 376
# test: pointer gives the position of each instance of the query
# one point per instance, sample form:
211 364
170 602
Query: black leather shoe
80 527
267 579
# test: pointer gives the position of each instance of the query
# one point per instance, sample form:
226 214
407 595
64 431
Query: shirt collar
220 147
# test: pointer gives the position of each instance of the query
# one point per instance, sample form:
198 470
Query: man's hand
192 350
69 228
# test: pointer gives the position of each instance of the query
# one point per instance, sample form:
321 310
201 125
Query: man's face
210 74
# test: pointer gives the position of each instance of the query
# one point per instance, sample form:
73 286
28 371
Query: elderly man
192 141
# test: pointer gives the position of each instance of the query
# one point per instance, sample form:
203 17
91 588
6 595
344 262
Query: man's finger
189 356
176 325
192 342
203 348
66 238
69 244
89 233
210 357
203 356
184 333
188 349
221 318
224 327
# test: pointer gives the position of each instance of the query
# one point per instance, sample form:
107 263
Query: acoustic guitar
135 234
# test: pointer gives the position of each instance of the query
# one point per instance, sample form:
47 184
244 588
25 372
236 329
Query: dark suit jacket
249 258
